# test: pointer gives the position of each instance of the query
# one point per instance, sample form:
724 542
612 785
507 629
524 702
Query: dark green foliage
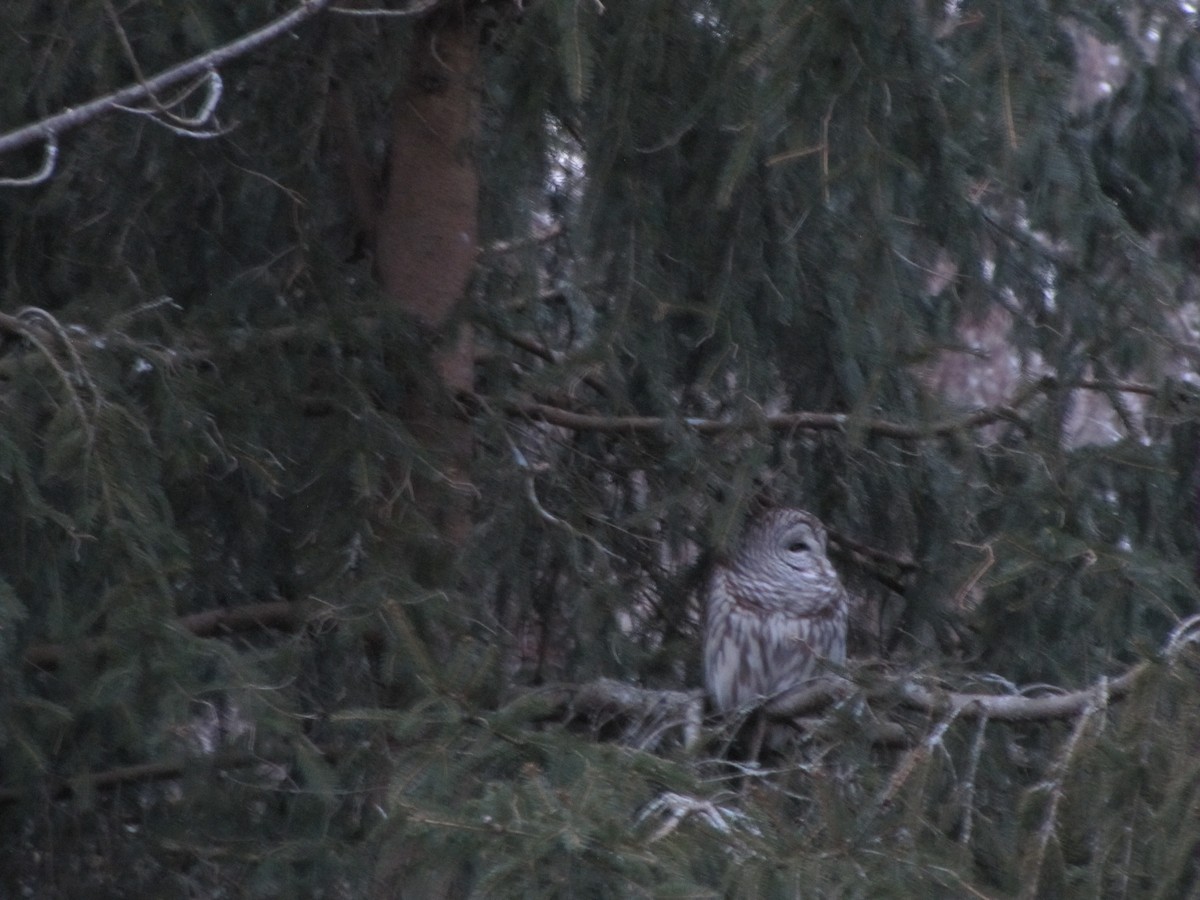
882 211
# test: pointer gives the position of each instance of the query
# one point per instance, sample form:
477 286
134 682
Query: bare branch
1019 708
187 126
1054 786
184 125
1015 707
47 130
414 10
872 554
968 787
914 757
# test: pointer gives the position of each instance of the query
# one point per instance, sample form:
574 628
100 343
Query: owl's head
791 539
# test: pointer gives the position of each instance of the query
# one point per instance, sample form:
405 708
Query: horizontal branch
1067 704
998 707
607 701
612 709
140 773
645 718
279 614
817 421
618 424
1018 708
793 421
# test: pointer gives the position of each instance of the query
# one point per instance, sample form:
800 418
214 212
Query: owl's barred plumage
773 613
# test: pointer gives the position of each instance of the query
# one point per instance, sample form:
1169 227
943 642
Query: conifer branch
619 424
636 716
819 421
140 773
793 421
643 718
279 614
1016 707
38 327
606 701
830 689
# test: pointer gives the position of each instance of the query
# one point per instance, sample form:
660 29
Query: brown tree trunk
426 243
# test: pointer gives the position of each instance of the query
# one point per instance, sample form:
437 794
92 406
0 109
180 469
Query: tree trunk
426 244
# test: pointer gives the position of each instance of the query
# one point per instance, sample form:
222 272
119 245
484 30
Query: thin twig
556 357
985 564
873 554
968 792
185 126
49 160
25 324
915 756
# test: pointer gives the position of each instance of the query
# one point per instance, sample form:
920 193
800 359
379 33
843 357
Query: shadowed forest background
375 397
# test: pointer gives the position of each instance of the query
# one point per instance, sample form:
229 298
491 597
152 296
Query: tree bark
427 243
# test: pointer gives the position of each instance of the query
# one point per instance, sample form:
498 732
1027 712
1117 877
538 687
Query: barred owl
774 611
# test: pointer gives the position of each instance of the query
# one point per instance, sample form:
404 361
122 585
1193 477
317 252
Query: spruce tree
378 395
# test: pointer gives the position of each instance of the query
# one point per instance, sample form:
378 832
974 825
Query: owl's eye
798 547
